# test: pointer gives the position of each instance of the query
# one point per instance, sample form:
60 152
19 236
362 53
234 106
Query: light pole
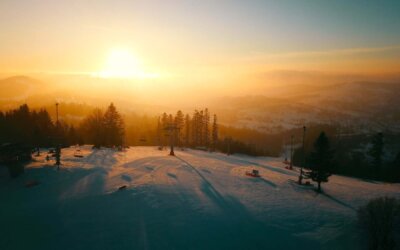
303 160
172 140
171 128
57 114
58 146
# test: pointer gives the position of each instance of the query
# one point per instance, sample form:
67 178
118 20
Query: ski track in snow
196 200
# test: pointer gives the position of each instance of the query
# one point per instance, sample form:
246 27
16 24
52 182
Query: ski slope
196 200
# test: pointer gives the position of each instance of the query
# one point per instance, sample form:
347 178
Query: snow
196 200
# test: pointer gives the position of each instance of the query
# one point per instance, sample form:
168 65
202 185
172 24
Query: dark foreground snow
197 200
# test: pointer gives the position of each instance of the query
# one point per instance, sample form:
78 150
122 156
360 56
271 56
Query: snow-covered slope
197 200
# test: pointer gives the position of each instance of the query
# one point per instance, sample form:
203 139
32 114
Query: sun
122 63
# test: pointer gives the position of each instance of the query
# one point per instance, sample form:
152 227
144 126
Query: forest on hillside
366 156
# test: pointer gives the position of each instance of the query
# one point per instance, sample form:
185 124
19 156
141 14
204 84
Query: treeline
149 131
374 158
35 128
249 141
103 128
353 155
196 130
200 129
363 156
107 128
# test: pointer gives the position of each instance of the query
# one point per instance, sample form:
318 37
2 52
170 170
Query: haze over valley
186 124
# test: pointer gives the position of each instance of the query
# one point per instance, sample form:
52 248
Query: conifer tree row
192 131
104 129
34 128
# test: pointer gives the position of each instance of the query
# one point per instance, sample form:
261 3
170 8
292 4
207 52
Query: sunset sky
199 41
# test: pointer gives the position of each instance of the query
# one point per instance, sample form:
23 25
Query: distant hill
19 87
360 105
77 96
363 105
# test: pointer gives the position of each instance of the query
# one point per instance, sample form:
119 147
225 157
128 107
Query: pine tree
376 152
3 127
72 136
164 119
21 125
92 128
320 161
179 121
45 127
164 124
195 128
170 124
159 131
214 133
187 130
170 119
113 127
200 128
206 127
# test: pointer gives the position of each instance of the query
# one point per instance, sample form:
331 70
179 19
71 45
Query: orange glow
121 63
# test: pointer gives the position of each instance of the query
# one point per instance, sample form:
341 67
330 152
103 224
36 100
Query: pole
303 160
171 140
58 147
57 114
291 152
172 128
